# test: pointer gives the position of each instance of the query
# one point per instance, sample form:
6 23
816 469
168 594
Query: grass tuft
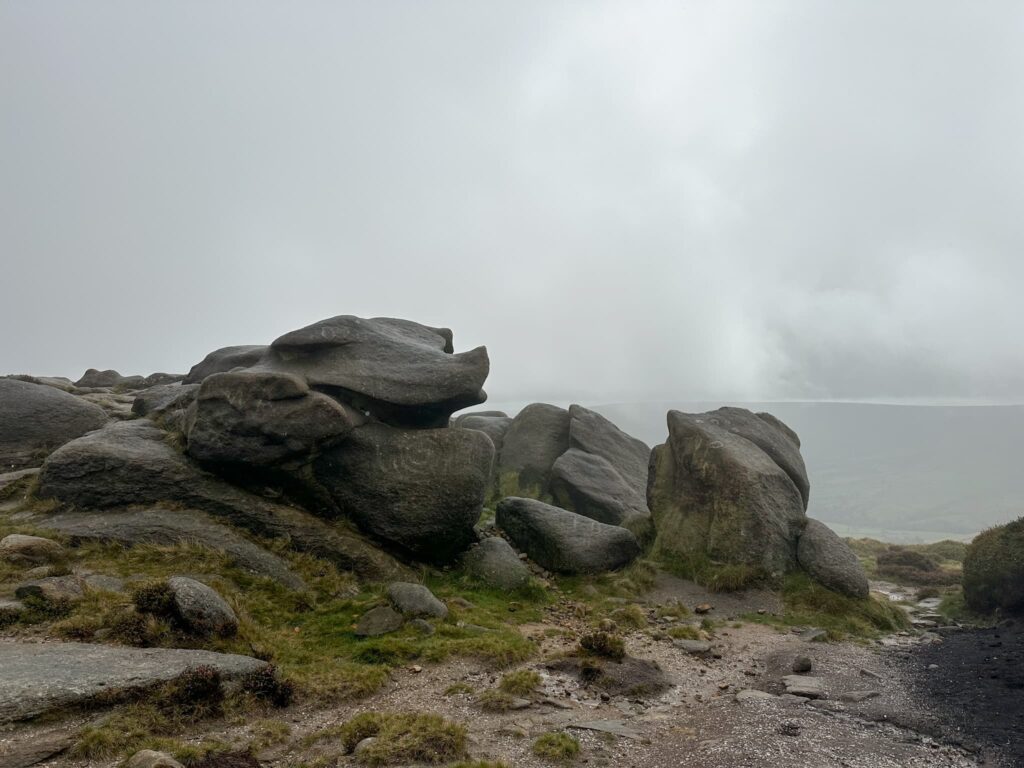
558 747
403 737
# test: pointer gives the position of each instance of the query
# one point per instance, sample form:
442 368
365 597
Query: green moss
559 747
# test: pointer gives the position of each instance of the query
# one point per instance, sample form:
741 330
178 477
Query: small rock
814 635
201 609
695 647
518 704
802 664
789 728
869 673
147 758
415 669
704 608
29 550
422 626
379 621
362 745
415 600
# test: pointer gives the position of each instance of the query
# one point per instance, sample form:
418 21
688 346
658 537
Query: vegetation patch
556 746
403 737
603 644
523 682
716 576
994 570
809 604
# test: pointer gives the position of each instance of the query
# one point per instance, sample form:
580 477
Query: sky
621 200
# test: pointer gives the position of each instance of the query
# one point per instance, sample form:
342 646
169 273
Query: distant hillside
894 472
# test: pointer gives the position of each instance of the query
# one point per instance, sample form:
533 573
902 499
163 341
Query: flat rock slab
614 727
41 677
803 685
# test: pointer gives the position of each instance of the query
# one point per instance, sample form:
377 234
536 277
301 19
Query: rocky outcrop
829 560
494 427
564 541
261 419
717 496
420 491
494 563
133 463
35 419
592 433
537 436
102 379
225 359
43 677
29 550
590 486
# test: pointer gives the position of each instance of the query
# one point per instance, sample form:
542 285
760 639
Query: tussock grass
994 570
604 645
556 746
401 737
684 633
523 682
631 616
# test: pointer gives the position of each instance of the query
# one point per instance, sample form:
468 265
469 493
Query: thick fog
623 201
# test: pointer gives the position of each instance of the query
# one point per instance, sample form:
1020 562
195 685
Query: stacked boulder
347 417
730 487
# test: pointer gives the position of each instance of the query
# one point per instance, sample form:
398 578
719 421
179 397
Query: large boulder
589 485
593 433
494 563
829 560
412 600
563 541
166 404
261 419
537 436
770 435
109 378
404 373
715 495
35 419
421 491
29 550
133 463
494 427
225 359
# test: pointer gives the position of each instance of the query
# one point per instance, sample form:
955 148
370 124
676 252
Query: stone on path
614 727
415 600
695 647
752 694
803 685
41 677
496 564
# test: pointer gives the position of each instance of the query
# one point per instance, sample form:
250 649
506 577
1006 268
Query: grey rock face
225 359
494 427
35 419
593 433
419 490
171 526
131 463
29 550
457 421
160 399
404 373
415 600
563 541
260 419
41 677
379 621
201 609
494 563
537 436
110 378
715 494
771 436
587 484
829 559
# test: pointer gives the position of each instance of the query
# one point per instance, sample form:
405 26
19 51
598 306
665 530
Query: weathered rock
715 495
858 697
801 685
537 436
693 647
419 490
494 563
801 665
10 611
563 541
829 559
147 758
225 359
41 677
402 372
172 526
261 419
35 419
588 485
59 382
752 694
102 581
29 550
415 600
459 420
157 401
55 590
771 436
379 621
494 427
594 434
131 463
200 609
108 378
